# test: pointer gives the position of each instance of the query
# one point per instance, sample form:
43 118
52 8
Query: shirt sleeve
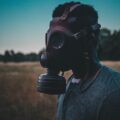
110 108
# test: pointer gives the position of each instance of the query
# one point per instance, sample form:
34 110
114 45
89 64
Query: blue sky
23 23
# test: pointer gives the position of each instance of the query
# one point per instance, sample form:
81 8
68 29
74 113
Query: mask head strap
68 10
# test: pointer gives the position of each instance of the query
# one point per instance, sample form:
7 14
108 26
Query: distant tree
105 35
11 56
109 45
7 56
32 57
1 58
18 57
115 46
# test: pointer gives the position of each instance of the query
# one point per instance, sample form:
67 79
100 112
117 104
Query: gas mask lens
57 40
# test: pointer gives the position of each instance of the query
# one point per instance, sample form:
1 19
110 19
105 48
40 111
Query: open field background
19 99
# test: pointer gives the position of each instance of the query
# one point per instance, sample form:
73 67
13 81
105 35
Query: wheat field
19 99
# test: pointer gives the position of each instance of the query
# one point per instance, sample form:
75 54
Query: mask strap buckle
79 34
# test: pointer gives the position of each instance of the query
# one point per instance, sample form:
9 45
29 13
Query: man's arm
110 108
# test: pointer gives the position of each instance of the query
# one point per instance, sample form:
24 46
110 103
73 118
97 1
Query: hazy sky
23 23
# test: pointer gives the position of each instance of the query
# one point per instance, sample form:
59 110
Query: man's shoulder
109 74
112 71
107 78
110 107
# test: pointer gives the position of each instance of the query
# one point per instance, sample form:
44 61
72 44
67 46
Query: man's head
70 43
72 34
85 15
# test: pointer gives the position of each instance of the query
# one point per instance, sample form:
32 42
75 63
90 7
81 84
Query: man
93 91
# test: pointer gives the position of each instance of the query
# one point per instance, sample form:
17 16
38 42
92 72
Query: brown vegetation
19 99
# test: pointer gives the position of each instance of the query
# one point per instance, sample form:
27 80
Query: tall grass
19 99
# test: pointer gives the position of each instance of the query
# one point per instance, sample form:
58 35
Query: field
19 99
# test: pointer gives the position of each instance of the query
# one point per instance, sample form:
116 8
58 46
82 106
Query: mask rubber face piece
59 55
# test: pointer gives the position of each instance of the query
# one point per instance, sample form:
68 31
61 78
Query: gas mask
59 54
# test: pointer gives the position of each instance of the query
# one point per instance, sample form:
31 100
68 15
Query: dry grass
114 65
19 99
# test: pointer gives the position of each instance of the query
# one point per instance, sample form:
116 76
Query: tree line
109 45
11 56
109 49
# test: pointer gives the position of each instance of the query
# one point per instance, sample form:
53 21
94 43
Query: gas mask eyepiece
57 40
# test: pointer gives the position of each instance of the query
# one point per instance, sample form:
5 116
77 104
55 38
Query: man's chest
80 105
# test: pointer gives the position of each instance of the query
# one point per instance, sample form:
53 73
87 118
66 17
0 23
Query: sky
23 23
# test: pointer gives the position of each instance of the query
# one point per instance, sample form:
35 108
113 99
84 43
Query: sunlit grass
19 99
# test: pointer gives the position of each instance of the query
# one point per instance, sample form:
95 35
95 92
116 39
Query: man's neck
86 70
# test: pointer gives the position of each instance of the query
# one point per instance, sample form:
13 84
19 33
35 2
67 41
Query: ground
19 99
